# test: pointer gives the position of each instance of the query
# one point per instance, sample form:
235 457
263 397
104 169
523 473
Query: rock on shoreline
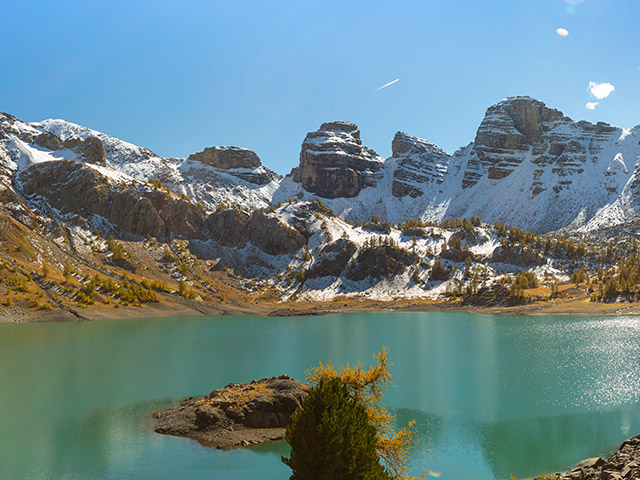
623 464
236 415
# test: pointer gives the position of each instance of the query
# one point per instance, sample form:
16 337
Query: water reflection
491 395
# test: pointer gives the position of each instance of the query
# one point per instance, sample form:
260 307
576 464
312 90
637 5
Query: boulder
381 227
623 464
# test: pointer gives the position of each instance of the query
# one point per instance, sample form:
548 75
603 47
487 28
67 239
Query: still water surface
491 395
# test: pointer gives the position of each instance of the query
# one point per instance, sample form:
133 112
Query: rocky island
237 415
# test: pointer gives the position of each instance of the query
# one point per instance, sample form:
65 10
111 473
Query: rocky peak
227 157
419 163
530 117
508 131
341 126
241 162
334 163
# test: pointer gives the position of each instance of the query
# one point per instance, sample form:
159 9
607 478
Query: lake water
492 395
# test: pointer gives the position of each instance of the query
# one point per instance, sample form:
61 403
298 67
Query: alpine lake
492 395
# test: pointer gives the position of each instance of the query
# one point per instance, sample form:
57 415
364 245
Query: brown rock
237 415
419 163
333 259
227 227
227 157
333 162
456 254
48 140
93 151
383 261
516 255
271 235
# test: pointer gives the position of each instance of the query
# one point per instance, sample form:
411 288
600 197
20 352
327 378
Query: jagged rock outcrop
509 130
334 258
90 149
132 212
236 415
334 163
227 157
240 162
67 185
529 166
49 141
456 255
419 163
272 236
382 261
470 237
227 227
382 227
516 255
73 187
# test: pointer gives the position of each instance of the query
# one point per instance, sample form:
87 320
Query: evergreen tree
331 437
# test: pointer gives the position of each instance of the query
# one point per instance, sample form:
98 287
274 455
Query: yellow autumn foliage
368 387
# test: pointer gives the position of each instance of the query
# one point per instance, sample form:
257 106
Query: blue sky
177 76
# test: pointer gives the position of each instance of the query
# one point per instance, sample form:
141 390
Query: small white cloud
600 90
592 105
387 84
563 32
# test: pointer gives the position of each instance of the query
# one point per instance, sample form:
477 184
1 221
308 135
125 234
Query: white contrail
386 85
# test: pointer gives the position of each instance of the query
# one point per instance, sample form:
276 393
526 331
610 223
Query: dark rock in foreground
624 463
236 415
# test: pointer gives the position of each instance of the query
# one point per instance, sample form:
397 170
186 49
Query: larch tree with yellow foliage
367 387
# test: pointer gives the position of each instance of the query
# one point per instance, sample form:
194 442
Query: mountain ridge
529 165
87 218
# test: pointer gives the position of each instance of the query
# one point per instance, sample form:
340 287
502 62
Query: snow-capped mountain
528 165
217 175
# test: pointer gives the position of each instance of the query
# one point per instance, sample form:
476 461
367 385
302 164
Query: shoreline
560 307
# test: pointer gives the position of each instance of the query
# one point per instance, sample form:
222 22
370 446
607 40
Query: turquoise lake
492 395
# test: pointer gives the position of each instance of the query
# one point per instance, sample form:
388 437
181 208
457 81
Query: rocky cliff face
419 164
529 165
334 163
239 162
74 188
509 131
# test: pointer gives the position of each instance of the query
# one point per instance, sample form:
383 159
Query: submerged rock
236 415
